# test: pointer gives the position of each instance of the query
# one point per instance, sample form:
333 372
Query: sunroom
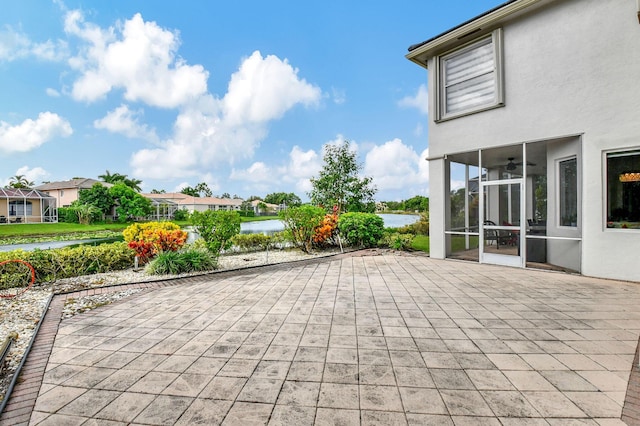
24 205
498 195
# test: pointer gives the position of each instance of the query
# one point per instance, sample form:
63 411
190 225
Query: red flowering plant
151 238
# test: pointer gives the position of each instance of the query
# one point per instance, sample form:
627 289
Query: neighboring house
66 192
26 206
260 207
541 100
167 203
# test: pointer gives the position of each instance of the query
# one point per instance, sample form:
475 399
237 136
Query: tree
395 205
85 212
300 224
160 191
20 181
129 203
120 178
216 228
200 190
339 183
418 203
279 198
99 196
225 195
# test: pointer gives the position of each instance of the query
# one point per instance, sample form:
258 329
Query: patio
389 339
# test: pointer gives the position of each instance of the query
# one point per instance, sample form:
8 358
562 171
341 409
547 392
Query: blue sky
240 95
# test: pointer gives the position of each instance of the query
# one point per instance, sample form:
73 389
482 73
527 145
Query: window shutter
469 78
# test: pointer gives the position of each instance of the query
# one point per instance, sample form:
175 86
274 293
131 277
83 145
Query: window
623 190
568 202
470 78
17 208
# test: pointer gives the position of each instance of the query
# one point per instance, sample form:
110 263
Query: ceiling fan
511 166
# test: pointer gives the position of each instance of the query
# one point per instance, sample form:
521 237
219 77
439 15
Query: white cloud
302 166
257 172
211 131
124 121
16 45
418 130
52 92
36 174
420 100
395 166
339 96
263 89
297 170
30 134
137 56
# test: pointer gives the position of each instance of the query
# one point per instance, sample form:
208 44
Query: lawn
9 233
421 243
35 229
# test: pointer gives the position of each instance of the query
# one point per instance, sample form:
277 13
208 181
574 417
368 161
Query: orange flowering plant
149 239
325 233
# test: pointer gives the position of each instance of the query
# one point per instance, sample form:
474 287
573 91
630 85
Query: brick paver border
631 408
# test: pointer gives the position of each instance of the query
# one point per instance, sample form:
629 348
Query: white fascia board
480 23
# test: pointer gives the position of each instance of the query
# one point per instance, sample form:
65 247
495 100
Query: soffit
421 52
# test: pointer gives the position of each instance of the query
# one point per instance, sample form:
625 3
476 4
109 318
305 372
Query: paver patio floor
387 339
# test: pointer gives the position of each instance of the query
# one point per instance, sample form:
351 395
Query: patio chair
3 219
499 236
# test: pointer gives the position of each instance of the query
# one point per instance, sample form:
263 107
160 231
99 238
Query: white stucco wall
571 68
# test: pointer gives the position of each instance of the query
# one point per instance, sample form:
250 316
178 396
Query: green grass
257 218
32 229
33 232
457 242
421 242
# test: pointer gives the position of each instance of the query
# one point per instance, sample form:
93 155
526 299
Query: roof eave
421 52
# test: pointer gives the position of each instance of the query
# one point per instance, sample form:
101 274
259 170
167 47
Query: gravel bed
22 314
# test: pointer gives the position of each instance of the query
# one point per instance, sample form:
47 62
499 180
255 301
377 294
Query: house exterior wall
64 197
570 68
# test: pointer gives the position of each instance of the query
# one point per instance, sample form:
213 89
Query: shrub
67 215
180 262
181 214
252 242
69 262
421 227
134 232
361 229
150 238
216 228
300 224
325 233
397 241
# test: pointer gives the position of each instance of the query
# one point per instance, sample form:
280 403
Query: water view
258 227
275 225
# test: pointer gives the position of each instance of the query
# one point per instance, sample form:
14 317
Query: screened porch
24 205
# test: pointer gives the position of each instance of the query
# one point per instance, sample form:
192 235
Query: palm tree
86 212
120 178
20 181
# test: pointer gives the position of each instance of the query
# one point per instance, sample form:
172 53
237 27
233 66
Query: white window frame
498 78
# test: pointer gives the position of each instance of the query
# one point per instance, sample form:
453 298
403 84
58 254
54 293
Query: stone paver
385 339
